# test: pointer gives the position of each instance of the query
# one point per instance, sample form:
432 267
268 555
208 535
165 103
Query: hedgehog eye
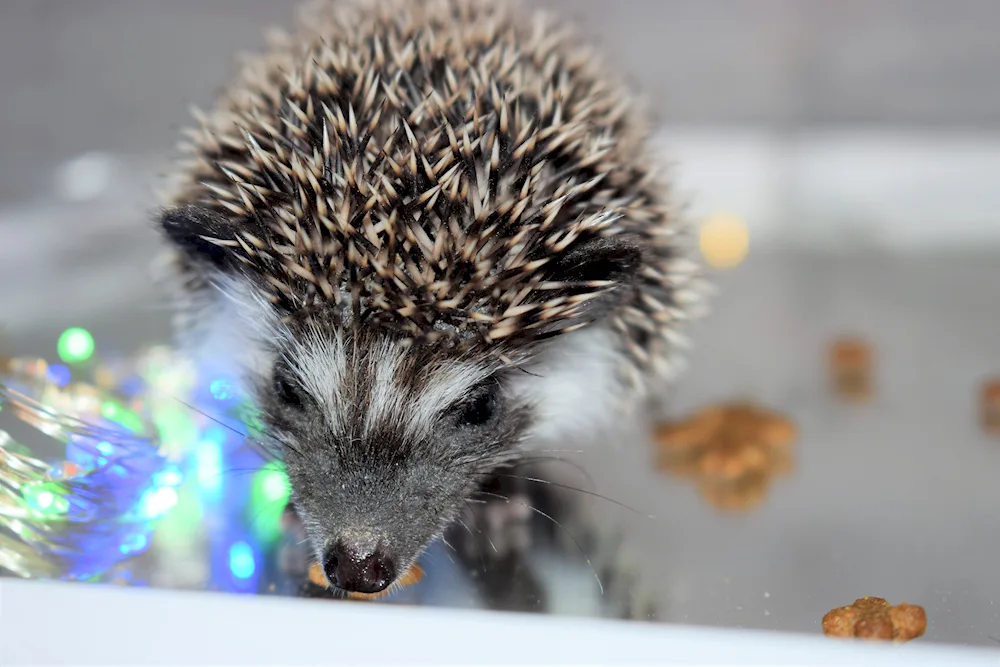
479 410
287 390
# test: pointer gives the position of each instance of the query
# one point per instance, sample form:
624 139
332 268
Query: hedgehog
430 237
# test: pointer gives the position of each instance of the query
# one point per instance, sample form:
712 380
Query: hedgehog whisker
466 526
573 488
214 419
472 510
259 446
558 459
558 525
448 555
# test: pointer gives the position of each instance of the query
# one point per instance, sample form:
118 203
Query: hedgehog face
383 444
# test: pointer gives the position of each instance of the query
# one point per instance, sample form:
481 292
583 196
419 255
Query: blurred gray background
118 75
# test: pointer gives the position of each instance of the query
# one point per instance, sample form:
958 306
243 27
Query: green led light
247 413
272 483
178 431
47 499
75 345
269 494
119 414
184 520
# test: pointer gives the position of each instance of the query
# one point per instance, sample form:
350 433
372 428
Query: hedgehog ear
613 258
199 233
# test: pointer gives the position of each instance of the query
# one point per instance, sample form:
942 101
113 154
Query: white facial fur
572 385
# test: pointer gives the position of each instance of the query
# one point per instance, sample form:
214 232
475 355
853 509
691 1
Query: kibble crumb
851 368
731 450
875 618
989 406
410 577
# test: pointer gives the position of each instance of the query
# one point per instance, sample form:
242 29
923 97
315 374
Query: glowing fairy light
158 502
222 390
208 464
75 345
59 375
269 494
44 500
77 517
134 543
177 429
119 414
81 452
241 560
47 499
724 241
272 484
171 476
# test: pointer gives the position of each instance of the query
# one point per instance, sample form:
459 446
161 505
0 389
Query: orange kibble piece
731 449
410 577
850 366
779 432
742 496
317 576
875 618
989 406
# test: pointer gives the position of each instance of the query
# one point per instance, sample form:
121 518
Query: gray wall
118 75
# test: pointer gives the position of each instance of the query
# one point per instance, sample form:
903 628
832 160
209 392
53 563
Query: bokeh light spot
59 375
241 560
75 345
724 241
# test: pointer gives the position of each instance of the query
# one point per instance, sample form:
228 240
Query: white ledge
108 625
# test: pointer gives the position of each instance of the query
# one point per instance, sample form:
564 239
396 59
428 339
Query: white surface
910 191
102 625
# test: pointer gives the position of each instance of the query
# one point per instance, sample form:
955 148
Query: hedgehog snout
359 565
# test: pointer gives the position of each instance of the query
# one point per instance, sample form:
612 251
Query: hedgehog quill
430 236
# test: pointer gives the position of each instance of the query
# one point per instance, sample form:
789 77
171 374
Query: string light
78 517
272 483
241 560
46 498
157 501
269 495
222 390
75 345
59 375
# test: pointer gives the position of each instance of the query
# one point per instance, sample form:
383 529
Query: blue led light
241 560
222 390
133 543
59 374
105 448
83 452
208 461
216 435
170 476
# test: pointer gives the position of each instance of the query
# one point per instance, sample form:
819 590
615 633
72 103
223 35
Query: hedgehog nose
359 570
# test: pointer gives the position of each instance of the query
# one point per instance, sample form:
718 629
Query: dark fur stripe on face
361 389
386 440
